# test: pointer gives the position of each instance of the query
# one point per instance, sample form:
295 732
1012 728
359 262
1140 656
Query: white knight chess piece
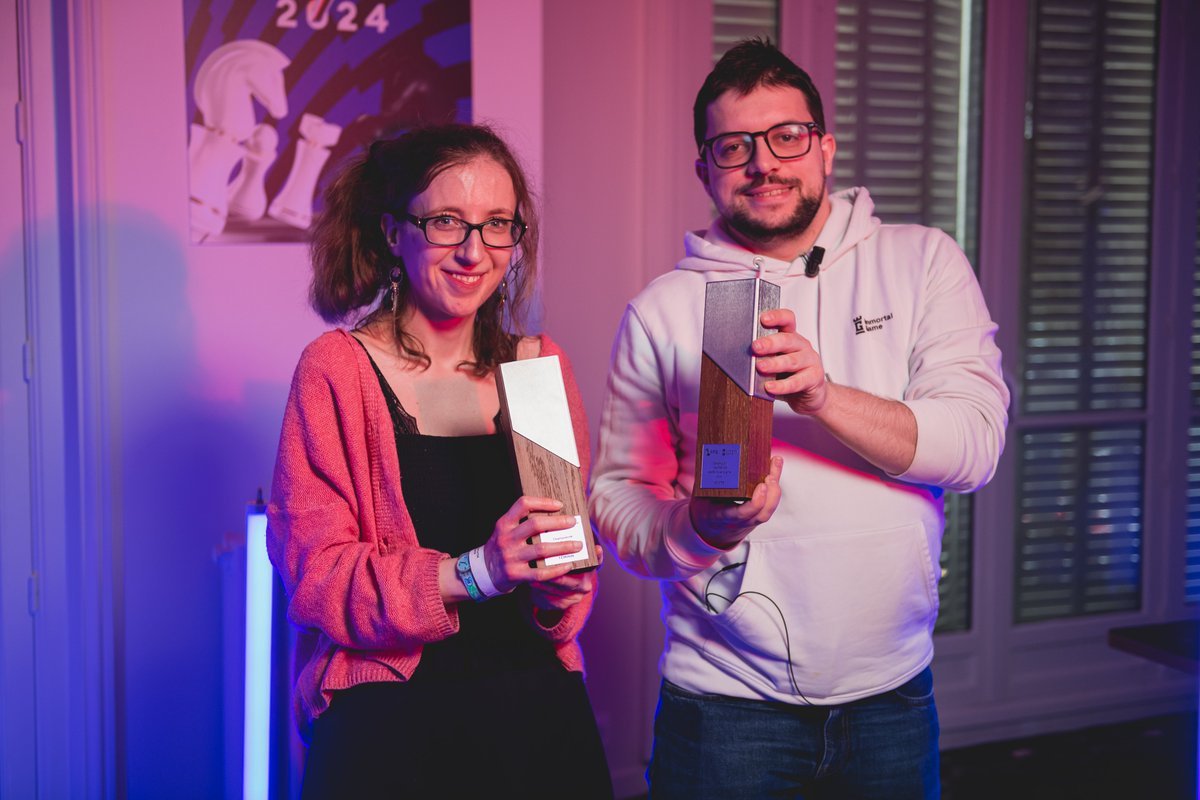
227 84
294 203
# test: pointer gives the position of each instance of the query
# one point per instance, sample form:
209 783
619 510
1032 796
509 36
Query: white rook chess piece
227 84
247 193
294 202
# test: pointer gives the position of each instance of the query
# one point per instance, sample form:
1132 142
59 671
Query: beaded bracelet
464 574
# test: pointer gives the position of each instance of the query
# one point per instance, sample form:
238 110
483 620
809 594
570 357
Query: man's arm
635 502
949 428
882 431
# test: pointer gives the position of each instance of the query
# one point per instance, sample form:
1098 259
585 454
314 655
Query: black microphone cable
787 640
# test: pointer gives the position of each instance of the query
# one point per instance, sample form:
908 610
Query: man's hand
882 431
724 523
798 376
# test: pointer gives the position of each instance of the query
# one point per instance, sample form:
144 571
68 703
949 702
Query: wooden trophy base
536 418
733 437
544 474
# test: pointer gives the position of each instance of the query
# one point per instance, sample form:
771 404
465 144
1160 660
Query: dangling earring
503 291
397 275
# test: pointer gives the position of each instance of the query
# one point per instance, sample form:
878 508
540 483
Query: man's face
768 203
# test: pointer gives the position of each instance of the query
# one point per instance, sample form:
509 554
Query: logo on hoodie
863 325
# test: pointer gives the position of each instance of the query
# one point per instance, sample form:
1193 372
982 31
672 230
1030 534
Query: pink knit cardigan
360 585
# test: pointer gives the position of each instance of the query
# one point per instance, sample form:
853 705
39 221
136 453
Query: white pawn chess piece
294 202
247 193
227 84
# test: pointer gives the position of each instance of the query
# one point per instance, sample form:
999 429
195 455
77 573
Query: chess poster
281 91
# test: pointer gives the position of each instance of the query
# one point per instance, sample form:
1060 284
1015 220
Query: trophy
537 421
733 431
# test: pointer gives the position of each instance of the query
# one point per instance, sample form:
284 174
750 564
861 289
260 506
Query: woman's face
451 283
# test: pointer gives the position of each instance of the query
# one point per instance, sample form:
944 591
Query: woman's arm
352 570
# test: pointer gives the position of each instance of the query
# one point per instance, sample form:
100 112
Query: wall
17 712
617 75
195 350
198 347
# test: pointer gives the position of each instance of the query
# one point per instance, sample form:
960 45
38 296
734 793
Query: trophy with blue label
733 431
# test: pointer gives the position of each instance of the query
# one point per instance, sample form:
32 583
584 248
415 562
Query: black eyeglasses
785 141
447 231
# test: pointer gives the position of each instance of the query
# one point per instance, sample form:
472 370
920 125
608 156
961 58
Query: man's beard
739 220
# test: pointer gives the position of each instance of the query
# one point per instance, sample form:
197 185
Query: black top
455 488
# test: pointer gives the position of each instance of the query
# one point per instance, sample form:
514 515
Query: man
799 623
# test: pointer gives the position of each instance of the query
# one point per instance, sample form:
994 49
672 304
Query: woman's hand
511 547
562 593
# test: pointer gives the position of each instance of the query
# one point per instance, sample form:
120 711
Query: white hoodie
846 570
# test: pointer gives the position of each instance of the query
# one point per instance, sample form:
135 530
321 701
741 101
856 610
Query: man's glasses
786 140
447 231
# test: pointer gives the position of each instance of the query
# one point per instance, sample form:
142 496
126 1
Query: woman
391 471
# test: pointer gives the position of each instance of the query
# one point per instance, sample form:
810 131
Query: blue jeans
710 746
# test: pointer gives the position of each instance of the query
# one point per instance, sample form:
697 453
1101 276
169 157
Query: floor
1149 759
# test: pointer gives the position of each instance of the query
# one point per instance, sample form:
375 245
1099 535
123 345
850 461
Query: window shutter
1083 352
907 88
1192 554
906 91
954 588
734 20
1079 543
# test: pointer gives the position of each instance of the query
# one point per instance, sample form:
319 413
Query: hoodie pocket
850 611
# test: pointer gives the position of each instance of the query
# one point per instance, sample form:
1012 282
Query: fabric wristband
483 578
464 574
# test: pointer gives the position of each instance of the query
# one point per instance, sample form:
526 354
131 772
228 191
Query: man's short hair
746 66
